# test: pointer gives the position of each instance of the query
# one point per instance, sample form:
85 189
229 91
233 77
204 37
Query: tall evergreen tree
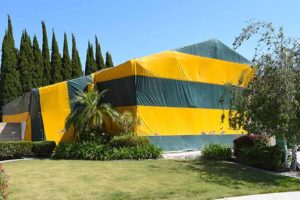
99 57
66 62
38 69
56 75
90 63
108 61
46 57
10 28
10 86
25 63
76 64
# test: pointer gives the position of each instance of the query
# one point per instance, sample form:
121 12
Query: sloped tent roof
214 49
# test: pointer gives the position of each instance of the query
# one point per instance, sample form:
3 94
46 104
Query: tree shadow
234 175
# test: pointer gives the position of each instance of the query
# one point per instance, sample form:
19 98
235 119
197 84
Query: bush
128 140
15 149
216 152
263 157
43 148
3 183
91 150
248 141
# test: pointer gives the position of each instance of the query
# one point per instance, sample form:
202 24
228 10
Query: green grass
150 179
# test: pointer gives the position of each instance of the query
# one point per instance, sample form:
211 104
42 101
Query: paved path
271 196
181 155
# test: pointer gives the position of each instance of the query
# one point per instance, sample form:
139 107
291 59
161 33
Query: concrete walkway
271 196
181 155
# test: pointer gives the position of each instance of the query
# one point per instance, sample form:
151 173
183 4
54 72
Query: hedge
43 148
263 157
15 149
19 149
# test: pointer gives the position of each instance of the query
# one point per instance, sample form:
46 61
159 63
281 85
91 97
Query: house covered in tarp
174 94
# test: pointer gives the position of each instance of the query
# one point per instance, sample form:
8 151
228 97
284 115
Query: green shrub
91 150
248 141
15 149
3 183
43 148
263 157
216 152
128 140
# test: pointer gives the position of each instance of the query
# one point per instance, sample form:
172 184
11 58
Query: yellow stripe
178 66
55 107
167 121
19 118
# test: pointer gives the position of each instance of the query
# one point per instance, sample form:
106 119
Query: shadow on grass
234 175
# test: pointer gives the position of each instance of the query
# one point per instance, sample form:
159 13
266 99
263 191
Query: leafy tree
66 62
90 63
89 114
99 57
10 86
46 57
108 63
38 69
56 75
269 104
25 63
76 64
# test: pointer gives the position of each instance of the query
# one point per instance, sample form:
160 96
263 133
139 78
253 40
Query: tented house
175 95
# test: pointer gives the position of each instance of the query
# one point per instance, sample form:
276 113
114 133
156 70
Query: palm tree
89 113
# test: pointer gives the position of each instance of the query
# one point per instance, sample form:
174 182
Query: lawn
150 179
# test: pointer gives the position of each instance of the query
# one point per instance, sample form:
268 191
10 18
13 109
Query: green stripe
77 85
37 128
149 91
191 142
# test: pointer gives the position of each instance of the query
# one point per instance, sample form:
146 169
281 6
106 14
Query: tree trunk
286 153
294 158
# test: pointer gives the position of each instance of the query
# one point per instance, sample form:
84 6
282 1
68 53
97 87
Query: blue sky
135 28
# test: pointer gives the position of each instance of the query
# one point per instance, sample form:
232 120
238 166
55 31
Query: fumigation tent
175 95
43 111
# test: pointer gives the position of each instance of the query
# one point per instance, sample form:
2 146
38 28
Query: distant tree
99 57
76 64
270 102
56 75
46 57
10 86
108 63
38 69
25 63
90 63
66 62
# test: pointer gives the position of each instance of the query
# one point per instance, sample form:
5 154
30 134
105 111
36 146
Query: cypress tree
10 86
55 62
76 64
46 57
108 62
25 63
90 63
37 64
66 62
99 57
